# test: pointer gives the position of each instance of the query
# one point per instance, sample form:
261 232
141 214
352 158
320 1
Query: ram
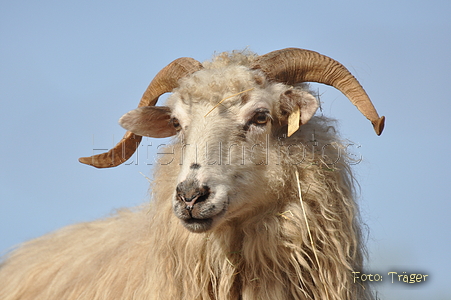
254 199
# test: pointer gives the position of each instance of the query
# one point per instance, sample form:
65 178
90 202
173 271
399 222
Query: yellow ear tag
293 121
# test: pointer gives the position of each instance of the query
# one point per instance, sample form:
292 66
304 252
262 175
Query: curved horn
294 65
165 81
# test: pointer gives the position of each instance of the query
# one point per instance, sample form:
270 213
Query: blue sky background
69 70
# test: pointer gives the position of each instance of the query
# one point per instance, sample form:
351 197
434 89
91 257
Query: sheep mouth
198 225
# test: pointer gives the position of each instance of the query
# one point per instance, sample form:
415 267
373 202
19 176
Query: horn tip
92 161
86 160
378 125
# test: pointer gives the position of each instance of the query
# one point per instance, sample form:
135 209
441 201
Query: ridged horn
293 65
165 81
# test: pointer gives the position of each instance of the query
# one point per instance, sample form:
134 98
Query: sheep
240 209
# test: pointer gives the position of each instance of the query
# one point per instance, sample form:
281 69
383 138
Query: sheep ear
297 108
152 121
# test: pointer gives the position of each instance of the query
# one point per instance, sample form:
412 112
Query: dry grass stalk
219 103
308 229
148 179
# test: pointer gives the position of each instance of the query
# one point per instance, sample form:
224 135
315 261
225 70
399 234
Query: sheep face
226 149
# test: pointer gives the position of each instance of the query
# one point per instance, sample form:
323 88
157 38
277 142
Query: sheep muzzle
197 205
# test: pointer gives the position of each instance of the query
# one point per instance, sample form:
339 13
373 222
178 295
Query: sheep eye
176 124
261 117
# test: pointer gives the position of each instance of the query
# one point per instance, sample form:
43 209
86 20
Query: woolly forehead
203 90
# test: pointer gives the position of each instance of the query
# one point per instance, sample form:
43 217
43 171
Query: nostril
191 195
204 193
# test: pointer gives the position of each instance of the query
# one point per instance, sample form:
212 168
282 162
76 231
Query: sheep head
219 144
256 100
